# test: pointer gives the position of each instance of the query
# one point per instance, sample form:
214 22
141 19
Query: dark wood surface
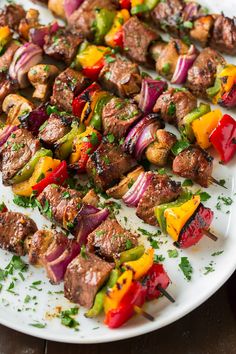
210 329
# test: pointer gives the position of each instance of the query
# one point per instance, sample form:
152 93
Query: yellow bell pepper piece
44 166
229 71
78 142
177 217
5 36
136 2
204 126
114 295
141 266
95 98
91 55
121 17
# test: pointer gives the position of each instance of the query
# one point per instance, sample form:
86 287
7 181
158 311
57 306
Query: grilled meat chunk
202 29
62 45
137 39
109 239
118 115
201 76
83 18
167 15
160 190
60 203
84 277
17 151
7 86
194 163
168 58
108 164
11 15
174 105
55 128
67 85
7 56
121 77
223 37
14 229
39 244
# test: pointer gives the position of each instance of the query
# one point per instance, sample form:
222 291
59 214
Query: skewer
214 181
165 293
210 235
143 313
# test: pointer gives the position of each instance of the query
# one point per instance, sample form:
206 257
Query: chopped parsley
187 183
209 269
173 253
166 68
216 253
128 244
188 24
66 195
161 171
186 268
25 202
83 252
171 109
158 258
38 324
204 196
67 319
110 137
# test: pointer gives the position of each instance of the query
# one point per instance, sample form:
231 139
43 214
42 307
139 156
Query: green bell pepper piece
131 254
102 25
160 209
64 145
151 4
96 120
27 171
186 128
212 91
99 298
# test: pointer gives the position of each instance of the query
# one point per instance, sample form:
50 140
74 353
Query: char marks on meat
194 163
11 15
67 85
14 229
118 116
17 151
137 39
108 164
224 35
201 75
109 239
122 77
84 277
160 190
39 244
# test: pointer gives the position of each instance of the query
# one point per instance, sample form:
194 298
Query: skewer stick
210 235
214 181
165 293
143 313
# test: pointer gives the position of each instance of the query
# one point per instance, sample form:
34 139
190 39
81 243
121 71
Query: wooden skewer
210 235
143 313
165 293
214 181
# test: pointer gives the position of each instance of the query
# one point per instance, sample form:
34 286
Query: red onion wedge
147 136
134 194
191 11
71 5
228 99
33 120
184 63
37 34
150 91
24 58
6 132
134 134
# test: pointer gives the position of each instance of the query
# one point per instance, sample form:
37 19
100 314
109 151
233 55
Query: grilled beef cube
11 15
201 76
223 36
83 18
62 45
84 277
167 60
109 239
57 202
55 128
39 245
14 229
6 58
137 39
160 190
118 115
167 15
174 105
67 85
108 164
202 29
194 163
121 77
17 151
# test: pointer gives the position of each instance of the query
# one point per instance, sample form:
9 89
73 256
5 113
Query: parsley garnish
38 324
67 319
187 183
186 268
173 253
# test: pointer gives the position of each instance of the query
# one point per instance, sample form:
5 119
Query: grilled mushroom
41 76
15 106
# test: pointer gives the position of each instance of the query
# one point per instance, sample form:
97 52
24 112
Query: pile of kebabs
94 112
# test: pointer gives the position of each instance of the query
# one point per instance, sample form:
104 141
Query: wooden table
210 329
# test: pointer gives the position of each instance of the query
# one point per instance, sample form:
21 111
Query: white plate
18 315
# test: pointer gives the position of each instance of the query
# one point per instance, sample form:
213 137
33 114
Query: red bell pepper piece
135 296
156 276
119 38
80 101
57 176
93 72
193 230
3 208
223 138
125 4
